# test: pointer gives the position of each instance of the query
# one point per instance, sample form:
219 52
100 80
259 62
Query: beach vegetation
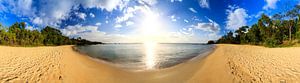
211 42
18 35
282 29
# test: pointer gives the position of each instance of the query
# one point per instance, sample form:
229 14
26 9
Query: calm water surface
145 56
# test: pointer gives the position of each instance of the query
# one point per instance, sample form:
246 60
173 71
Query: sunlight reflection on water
150 54
146 56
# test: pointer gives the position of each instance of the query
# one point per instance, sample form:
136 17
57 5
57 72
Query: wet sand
227 64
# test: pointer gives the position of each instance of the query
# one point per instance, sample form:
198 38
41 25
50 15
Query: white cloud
150 2
37 20
187 31
124 18
259 14
271 4
129 13
91 33
98 24
186 21
173 18
108 5
176 0
76 29
118 26
23 7
128 23
86 32
210 30
92 15
94 34
29 27
52 12
204 3
81 15
2 7
210 26
193 10
236 18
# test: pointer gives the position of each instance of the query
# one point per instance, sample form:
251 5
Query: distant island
17 35
282 29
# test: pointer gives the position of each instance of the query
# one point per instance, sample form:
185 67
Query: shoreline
71 66
200 57
226 63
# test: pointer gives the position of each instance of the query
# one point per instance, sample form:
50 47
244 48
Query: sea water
146 56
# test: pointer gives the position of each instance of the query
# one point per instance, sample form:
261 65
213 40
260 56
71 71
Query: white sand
227 64
246 64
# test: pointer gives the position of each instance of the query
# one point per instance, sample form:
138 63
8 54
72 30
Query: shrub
271 42
211 42
298 35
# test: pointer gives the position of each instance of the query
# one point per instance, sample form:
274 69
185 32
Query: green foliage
271 42
211 42
268 32
17 35
228 38
298 35
241 37
53 36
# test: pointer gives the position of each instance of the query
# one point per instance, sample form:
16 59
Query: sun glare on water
150 54
151 29
150 34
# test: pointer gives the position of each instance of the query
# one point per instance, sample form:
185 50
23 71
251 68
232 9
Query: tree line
17 35
282 29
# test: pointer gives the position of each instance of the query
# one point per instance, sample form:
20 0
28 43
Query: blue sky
172 21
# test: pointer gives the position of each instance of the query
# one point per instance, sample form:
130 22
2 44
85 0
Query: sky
135 21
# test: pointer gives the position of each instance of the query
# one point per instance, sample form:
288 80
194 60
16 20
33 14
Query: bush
298 35
271 42
211 42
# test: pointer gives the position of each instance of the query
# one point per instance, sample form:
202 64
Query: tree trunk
290 33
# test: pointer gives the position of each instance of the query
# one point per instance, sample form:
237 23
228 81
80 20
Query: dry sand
227 64
18 64
250 64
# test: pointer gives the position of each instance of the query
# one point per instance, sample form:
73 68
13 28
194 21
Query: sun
152 32
151 27
150 24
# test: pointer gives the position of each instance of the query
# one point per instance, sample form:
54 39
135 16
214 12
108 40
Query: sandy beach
250 64
227 64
